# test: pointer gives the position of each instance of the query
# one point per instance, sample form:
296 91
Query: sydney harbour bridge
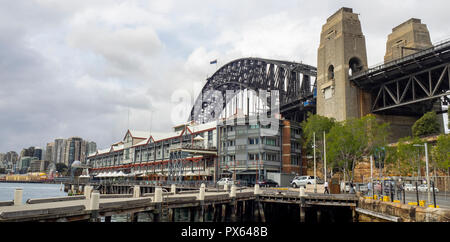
407 86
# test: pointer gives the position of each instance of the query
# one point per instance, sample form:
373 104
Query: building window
270 141
355 66
127 154
253 141
331 72
253 156
255 126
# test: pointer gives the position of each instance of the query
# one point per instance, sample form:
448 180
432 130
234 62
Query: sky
93 69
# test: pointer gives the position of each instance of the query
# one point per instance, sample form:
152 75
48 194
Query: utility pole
428 177
324 157
315 175
427 171
371 176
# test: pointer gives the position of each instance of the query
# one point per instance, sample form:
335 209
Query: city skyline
95 69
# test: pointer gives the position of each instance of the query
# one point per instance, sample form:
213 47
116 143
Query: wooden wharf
244 204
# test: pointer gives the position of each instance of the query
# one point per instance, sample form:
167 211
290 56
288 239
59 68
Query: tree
441 152
405 157
316 124
350 140
426 125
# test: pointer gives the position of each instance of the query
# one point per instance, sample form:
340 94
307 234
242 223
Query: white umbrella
120 173
191 174
99 174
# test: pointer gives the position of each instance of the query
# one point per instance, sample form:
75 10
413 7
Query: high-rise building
50 152
60 145
37 153
27 152
69 150
11 160
91 147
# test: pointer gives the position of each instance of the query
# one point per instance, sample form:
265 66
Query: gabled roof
137 134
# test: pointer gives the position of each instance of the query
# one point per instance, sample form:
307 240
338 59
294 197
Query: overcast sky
76 68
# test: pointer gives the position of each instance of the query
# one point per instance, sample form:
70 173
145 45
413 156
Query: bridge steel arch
292 80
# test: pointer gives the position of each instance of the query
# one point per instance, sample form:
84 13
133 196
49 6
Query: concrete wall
406 212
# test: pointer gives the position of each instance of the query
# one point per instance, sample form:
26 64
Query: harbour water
30 190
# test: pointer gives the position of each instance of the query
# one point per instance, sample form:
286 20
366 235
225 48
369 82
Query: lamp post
324 157
428 177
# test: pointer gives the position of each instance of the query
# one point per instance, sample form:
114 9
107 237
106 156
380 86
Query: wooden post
319 215
171 217
261 212
302 213
214 219
224 212
202 212
233 210
94 206
157 213
18 195
133 217
354 214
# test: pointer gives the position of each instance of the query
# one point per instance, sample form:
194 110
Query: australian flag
213 62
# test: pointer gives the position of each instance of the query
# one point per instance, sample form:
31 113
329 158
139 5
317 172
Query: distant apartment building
69 150
39 165
49 151
24 164
11 159
2 160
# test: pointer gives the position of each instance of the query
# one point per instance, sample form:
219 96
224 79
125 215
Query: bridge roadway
75 208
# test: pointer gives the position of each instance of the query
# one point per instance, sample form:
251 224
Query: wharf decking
76 208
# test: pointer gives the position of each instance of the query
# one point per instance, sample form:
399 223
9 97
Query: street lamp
428 177
315 175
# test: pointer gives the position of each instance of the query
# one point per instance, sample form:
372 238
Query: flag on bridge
213 62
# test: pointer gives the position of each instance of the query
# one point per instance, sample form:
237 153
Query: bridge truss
291 79
410 85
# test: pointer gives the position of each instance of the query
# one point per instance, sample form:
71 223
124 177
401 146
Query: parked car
225 180
265 183
361 187
424 188
409 188
302 181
